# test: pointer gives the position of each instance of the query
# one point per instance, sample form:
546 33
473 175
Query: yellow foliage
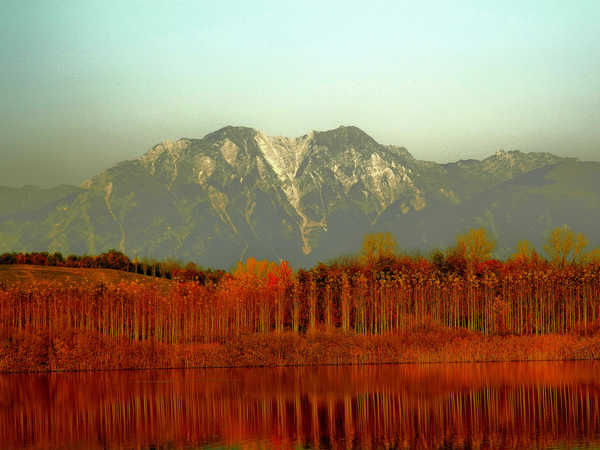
475 245
563 244
254 268
524 252
378 245
593 256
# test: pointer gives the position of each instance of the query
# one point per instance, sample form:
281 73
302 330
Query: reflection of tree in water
464 405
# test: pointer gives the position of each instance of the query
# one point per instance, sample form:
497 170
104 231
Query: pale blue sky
86 84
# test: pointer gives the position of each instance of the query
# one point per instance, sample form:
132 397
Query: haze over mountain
86 84
238 192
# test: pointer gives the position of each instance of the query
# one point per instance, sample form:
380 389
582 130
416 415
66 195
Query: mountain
238 192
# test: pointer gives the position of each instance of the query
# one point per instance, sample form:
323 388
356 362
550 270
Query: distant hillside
238 192
527 206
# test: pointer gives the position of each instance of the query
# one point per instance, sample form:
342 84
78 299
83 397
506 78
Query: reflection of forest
490 405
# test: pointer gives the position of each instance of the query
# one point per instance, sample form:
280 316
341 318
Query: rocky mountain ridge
238 192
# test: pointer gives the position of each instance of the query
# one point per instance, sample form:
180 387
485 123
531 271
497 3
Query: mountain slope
238 192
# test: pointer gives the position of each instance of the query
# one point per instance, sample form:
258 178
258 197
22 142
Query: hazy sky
86 84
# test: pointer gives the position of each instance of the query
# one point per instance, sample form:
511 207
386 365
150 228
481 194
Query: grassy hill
18 272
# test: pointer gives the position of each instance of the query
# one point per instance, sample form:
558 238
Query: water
492 405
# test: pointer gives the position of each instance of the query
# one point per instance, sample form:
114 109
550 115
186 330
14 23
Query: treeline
473 251
379 292
114 259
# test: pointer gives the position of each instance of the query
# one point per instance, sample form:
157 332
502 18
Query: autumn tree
593 256
113 259
523 251
475 245
563 246
376 246
254 268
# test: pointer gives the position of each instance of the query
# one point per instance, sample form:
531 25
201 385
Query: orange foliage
389 297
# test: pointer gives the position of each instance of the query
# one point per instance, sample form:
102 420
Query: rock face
238 192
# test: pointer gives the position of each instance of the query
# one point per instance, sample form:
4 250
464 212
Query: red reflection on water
493 405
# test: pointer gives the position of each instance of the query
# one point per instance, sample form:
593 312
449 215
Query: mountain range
238 192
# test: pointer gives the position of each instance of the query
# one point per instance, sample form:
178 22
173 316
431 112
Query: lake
487 405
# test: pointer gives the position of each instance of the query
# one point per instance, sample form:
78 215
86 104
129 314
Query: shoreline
284 366
74 351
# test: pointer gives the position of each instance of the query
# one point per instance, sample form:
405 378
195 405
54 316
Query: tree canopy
376 246
563 246
475 245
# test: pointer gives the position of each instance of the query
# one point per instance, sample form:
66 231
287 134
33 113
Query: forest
378 306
